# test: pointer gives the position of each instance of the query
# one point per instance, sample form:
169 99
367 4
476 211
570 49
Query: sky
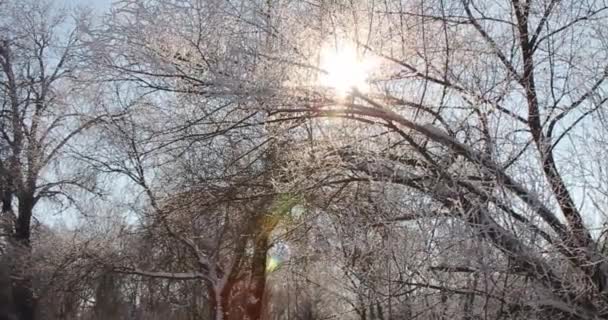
43 212
100 5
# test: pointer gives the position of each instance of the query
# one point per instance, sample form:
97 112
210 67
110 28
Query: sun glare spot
345 69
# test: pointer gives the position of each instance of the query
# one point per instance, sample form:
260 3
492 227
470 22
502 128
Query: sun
345 69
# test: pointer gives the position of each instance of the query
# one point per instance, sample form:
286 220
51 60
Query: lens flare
272 263
346 69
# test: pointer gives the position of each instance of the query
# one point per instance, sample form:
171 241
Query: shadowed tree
42 112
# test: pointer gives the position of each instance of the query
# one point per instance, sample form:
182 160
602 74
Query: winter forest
304 160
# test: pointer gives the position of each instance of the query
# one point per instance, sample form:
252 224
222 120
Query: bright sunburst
346 69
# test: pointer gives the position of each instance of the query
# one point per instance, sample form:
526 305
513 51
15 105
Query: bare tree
457 181
42 113
474 114
205 169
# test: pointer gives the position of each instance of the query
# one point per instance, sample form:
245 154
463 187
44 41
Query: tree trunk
23 226
243 298
257 285
7 304
7 307
24 299
23 295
